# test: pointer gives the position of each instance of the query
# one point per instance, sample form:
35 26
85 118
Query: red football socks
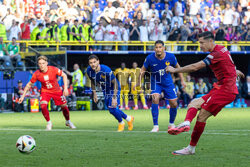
191 113
45 111
198 130
65 111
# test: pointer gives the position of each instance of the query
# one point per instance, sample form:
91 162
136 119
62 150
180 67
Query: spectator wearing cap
218 8
36 33
25 29
13 50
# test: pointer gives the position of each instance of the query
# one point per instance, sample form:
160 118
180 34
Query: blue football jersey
104 78
157 68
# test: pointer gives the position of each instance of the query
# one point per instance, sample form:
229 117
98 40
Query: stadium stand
87 26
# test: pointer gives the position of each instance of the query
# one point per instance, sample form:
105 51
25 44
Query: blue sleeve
207 61
109 73
146 62
174 61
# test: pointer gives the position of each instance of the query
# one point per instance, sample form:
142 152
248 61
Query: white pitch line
95 131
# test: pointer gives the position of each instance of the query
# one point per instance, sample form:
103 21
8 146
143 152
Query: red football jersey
221 63
48 79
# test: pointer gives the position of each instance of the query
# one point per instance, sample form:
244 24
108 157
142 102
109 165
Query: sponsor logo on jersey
154 64
46 77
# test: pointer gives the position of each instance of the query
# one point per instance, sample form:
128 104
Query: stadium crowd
125 20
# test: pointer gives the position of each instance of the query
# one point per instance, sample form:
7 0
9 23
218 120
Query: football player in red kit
47 75
223 93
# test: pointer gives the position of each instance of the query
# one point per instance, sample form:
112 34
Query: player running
161 82
102 74
223 93
47 75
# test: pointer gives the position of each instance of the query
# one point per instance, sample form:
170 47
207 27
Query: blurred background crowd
125 20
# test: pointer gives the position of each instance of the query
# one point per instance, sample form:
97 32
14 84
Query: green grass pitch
95 143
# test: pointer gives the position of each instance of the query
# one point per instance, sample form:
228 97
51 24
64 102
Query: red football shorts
216 99
58 98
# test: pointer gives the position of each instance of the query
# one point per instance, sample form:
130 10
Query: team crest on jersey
46 77
167 63
103 76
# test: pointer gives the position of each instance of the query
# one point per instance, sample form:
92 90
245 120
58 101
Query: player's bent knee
156 98
44 102
44 106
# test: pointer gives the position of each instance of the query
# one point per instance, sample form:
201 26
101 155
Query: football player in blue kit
102 75
161 81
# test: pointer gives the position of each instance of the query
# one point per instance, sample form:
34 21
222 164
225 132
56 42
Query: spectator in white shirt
155 31
110 34
228 15
168 12
33 24
99 33
178 19
194 7
153 10
144 8
178 7
123 35
111 10
13 31
236 17
143 31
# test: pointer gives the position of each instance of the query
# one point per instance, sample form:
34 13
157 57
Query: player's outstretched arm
189 68
65 82
26 89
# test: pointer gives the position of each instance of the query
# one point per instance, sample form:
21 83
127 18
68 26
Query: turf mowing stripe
94 131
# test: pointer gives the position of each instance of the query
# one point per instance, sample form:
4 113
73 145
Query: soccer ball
26 144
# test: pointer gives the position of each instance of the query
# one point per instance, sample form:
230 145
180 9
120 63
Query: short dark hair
159 42
206 35
93 57
66 21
